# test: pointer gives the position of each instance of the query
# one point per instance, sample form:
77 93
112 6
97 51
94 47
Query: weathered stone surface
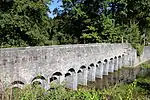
22 65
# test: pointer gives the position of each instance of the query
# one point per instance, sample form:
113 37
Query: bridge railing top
58 46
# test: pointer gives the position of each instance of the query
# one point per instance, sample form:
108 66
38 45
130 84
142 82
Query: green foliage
91 37
24 23
121 92
139 48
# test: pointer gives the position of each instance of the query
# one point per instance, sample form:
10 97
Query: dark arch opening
71 70
39 77
67 74
17 82
52 79
82 67
111 58
115 57
122 54
79 71
119 56
92 65
96 65
36 83
89 68
99 62
57 73
105 60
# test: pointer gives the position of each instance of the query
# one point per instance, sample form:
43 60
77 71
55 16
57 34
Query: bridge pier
111 65
123 60
42 83
71 81
115 63
119 62
91 72
106 67
47 86
82 76
99 70
126 59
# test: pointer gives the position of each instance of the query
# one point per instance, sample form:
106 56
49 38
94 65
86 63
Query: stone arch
39 80
111 65
79 71
82 75
90 66
57 73
106 67
119 56
99 69
119 61
115 63
17 84
99 62
105 60
123 60
52 79
55 79
91 72
71 79
67 74
39 77
71 70
82 67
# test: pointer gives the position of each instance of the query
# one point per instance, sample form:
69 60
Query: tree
24 23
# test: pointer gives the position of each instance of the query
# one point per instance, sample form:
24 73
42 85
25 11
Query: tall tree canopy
23 23
26 23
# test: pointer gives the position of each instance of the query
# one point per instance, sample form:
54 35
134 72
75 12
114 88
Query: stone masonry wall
22 65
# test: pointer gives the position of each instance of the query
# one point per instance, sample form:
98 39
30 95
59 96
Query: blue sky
54 4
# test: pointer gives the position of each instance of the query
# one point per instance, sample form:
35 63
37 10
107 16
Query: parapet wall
146 54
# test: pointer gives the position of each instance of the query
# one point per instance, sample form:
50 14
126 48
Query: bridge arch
106 67
55 79
70 79
111 65
82 75
91 72
119 61
39 80
17 82
99 69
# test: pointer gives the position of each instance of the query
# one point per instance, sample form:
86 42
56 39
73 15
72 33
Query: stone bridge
64 64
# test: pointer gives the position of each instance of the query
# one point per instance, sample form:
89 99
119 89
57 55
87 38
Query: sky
54 4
